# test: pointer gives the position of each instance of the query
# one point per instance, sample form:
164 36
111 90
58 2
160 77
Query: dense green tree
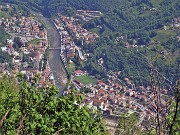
17 43
25 109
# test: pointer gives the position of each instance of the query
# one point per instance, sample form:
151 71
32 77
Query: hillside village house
79 72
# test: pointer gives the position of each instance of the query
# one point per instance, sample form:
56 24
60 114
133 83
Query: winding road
55 63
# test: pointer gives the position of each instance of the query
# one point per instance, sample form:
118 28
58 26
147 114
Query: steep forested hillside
124 16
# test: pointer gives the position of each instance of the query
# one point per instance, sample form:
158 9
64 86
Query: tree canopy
27 110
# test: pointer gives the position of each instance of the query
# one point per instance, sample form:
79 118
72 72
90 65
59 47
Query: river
55 63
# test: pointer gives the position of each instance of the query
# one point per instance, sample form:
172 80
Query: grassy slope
4 14
71 67
34 41
95 30
156 3
164 35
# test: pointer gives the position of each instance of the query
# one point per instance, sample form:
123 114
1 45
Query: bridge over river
55 48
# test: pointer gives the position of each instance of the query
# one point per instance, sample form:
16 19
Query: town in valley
28 46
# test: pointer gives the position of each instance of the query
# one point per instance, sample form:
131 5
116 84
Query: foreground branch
3 118
57 132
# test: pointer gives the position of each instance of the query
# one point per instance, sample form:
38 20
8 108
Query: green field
164 35
85 79
156 2
4 14
95 30
71 67
34 41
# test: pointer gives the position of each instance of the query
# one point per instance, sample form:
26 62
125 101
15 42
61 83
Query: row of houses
46 77
70 31
29 57
113 98
24 26
78 32
67 44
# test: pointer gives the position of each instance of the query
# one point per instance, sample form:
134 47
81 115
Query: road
55 63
